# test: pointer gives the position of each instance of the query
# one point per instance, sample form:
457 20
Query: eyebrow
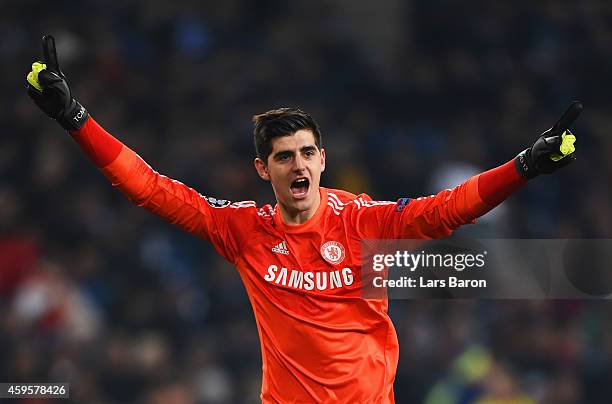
283 153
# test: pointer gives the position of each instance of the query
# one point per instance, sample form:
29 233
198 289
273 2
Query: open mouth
299 187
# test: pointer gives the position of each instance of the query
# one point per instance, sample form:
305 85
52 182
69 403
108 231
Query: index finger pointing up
569 116
49 53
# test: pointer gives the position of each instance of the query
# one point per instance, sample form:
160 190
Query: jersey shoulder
341 201
243 210
345 198
340 195
338 200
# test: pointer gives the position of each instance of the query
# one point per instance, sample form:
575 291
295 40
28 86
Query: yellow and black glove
553 149
48 87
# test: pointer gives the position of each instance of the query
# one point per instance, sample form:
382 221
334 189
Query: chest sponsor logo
309 280
333 252
281 248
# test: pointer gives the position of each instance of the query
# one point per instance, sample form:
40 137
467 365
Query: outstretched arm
143 186
437 216
168 198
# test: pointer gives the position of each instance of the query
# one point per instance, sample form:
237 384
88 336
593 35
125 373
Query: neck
294 217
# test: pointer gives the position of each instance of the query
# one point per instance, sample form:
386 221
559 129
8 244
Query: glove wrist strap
74 117
523 165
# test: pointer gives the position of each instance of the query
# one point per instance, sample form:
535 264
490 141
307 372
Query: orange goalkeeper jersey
320 341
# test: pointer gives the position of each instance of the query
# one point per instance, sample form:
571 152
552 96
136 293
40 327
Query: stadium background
411 96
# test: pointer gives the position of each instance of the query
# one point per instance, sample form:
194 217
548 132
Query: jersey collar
308 224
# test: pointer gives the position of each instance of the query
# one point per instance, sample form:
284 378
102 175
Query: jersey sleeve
435 216
204 217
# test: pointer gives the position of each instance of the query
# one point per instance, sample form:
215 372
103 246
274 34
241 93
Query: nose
299 164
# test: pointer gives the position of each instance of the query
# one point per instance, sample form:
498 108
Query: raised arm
145 187
168 198
437 216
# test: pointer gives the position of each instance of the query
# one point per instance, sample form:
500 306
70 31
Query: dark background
412 97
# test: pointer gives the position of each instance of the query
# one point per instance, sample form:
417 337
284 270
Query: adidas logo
281 248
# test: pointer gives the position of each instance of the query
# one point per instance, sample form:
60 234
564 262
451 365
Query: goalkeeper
299 261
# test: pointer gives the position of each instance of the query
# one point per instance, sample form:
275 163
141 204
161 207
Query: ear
262 169
322 160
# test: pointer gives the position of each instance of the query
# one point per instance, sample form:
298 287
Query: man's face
294 167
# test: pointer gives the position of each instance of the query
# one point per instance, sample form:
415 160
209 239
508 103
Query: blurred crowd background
412 97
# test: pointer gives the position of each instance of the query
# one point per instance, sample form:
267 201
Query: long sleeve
97 143
437 216
170 199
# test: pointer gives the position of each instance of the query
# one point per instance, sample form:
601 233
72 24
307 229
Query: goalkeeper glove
553 149
48 88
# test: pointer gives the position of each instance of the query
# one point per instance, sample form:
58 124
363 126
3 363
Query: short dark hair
281 122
